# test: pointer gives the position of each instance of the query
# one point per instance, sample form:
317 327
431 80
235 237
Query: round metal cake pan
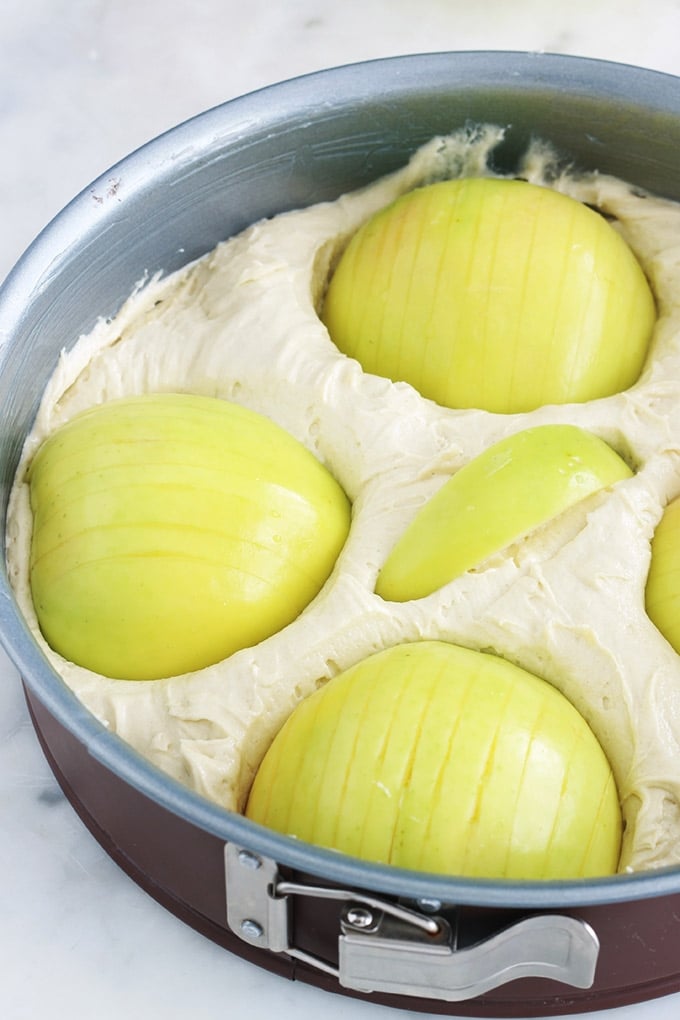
510 949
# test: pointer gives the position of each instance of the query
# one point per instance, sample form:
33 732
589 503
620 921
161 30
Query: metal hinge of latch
387 947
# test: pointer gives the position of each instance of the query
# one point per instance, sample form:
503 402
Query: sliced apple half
662 593
492 293
171 530
499 496
434 757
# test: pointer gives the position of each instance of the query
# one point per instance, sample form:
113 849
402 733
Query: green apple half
434 757
171 530
492 293
504 493
662 593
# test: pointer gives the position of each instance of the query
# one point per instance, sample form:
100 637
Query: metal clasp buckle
388 947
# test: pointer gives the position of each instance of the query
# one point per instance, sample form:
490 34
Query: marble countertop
82 83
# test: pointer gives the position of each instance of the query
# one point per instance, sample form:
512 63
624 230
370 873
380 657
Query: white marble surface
82 83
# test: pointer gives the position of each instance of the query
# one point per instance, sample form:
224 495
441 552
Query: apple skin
437 758
171 530
508 490
492 293
662 591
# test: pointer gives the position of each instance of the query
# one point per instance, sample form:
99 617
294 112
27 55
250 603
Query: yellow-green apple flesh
433 757
171 530
662 593
501 495
492 293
